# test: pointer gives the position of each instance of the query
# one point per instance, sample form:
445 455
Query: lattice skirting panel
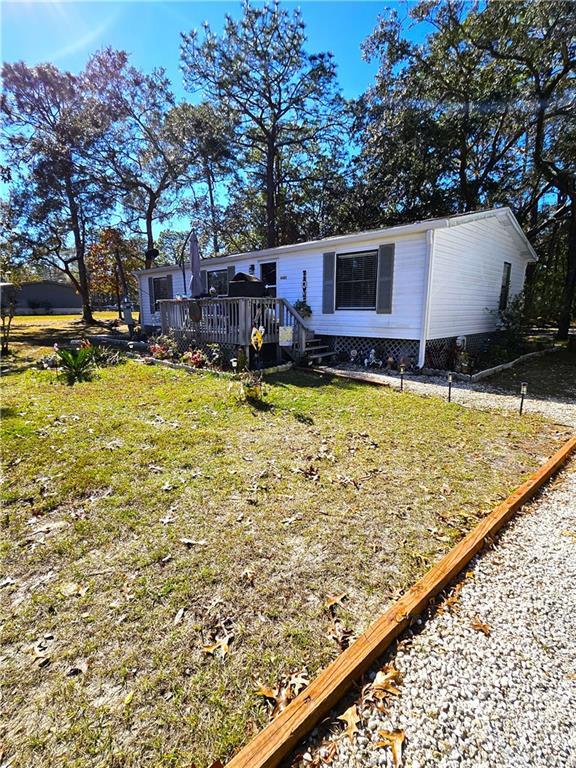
441 354
384 348
188 340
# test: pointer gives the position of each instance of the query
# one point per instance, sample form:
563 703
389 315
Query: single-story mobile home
407 291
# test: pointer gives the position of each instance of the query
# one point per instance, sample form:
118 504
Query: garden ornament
257 338
373 361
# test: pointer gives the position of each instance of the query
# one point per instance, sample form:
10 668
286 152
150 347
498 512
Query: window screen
218 279
356 280
162 289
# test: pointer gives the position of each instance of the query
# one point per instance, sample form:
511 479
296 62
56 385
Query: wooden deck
229 321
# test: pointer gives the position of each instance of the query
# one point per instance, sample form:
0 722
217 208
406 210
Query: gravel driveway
504 695
478 395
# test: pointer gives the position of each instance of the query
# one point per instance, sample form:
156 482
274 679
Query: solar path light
523 393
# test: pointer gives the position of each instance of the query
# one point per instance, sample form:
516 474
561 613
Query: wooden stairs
316 352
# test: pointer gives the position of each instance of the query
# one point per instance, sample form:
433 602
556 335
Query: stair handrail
295 314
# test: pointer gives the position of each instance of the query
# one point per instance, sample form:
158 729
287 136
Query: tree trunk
213 218
118 301
270 195
83 283
150 250
569 290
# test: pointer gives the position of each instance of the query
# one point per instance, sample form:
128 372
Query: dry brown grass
337 488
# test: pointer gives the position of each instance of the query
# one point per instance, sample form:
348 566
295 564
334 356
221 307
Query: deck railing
230 321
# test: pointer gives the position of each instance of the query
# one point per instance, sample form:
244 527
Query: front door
268 276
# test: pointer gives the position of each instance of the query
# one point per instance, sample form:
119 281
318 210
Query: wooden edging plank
277 739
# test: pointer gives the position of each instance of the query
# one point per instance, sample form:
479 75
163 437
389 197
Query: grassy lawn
148 514
33 336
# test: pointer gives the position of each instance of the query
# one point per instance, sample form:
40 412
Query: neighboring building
41 297
407 290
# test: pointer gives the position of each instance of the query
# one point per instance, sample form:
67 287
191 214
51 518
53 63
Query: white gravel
508 699
478 395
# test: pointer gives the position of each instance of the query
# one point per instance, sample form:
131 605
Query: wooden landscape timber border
279 738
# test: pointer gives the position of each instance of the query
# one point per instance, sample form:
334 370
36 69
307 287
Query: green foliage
164 347
282 101
76 365
303 309
106 357
249 387
195 358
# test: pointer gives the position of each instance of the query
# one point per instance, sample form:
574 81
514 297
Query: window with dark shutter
356 275
505 288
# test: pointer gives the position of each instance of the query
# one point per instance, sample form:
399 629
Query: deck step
313 343
319 355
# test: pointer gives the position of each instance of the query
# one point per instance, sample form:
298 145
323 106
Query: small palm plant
76 364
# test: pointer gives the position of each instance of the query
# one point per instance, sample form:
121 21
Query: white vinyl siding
402 323
467 271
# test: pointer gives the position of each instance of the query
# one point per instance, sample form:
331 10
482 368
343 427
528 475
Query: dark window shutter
328 283
204 280
385 279
151 294
231 273
169 291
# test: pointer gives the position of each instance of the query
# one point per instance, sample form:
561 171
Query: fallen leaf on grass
281 696
351 718
394 740
72 589
193 542
286 690
333 600
179 616
220 646
341 634
480 626
128 698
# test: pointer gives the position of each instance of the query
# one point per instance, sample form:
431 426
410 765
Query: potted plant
303 309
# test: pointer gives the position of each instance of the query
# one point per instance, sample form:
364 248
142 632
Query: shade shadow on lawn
148 514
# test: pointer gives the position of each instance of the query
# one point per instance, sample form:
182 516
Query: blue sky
66 33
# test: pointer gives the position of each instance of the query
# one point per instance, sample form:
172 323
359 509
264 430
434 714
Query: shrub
196 358
75 364
104 357
250 387
164 347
